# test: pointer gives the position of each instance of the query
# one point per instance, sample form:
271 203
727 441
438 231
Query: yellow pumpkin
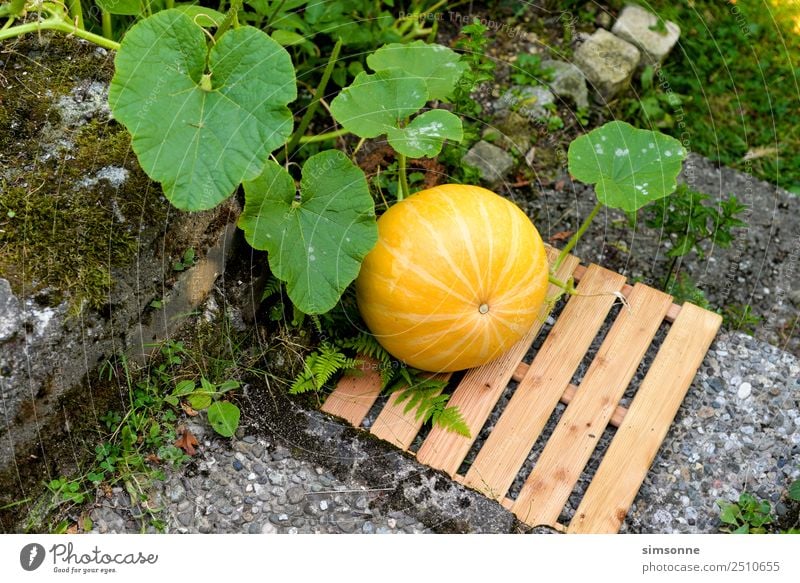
457 277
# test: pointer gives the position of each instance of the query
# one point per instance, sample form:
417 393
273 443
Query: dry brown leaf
759 152
188 409
187 442
560 236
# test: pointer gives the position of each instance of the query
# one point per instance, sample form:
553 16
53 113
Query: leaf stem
322 137
568 286
231 19
402 192
318 93
105 17
357 148
667 279
76 12
576 237
59 25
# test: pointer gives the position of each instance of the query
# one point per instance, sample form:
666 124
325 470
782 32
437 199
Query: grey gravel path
738 430
254 486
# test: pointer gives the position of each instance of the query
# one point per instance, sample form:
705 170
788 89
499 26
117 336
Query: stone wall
87 243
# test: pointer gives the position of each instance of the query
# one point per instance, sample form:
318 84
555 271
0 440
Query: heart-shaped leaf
224 418
628 166
316 238
375 103
202 16
426 133
438 66
201 129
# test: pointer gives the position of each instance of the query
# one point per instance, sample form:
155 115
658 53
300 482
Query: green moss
58 232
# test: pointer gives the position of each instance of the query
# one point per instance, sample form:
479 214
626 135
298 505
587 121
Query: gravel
241 487
738 430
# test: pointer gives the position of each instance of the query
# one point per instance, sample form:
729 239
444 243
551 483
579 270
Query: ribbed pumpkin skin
442 255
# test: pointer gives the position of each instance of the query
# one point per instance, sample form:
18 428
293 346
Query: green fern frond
388 374
425 395
303 383
272 287
320 367
450 418
365 344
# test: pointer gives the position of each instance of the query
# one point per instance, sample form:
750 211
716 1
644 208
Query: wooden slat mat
542 384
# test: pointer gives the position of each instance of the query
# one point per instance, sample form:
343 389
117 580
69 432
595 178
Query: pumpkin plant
629 167
406 77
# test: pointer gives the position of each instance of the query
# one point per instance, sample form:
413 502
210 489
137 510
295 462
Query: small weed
186 261
684 289
136 445
528 70
741 317
472 45
687 215
749 515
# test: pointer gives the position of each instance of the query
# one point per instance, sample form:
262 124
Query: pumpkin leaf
201 129
437 65
224 418
317 239
127 7
202 16
374 104
426 133
628 166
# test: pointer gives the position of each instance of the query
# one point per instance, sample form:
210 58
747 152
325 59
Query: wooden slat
636 443
480 389
569 394
558 468
354 396
545 381
395 425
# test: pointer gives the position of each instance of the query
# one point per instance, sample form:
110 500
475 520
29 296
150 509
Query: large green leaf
316 238
426 133
375 103
128 7
201 129
202 16
438 66
628 166
224 418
